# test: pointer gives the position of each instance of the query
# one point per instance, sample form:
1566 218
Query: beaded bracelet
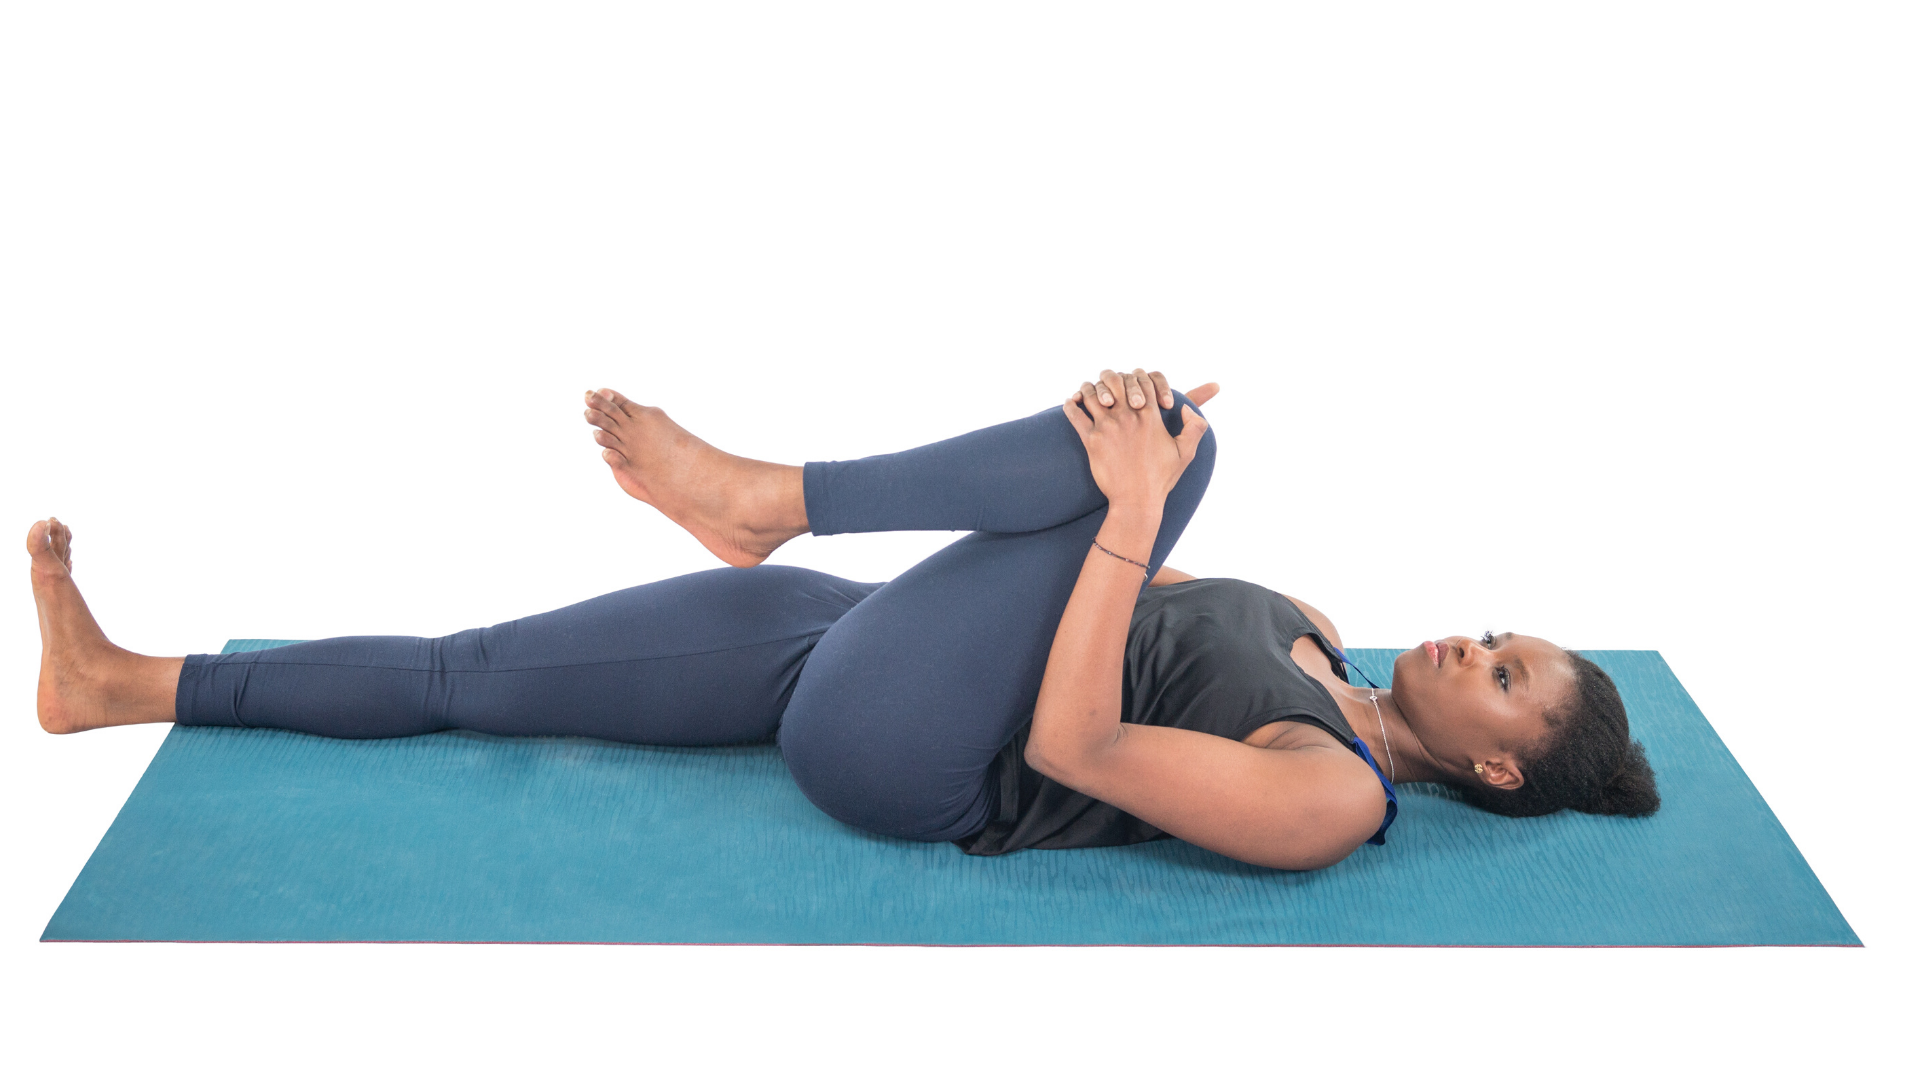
1145 571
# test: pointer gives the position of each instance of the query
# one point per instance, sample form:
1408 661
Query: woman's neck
1398 751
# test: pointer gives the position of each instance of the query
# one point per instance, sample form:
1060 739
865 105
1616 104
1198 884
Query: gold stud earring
1479 768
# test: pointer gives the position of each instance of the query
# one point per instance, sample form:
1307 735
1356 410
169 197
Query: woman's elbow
1297 855
1041 758
1337 831
1057 760
1323 857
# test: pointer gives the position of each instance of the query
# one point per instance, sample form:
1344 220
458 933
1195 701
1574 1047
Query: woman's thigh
702 659
905 702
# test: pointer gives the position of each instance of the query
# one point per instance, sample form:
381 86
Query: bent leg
1018 476
705 659
1015 477
905 703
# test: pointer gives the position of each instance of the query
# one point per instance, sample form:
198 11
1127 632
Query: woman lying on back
1020 688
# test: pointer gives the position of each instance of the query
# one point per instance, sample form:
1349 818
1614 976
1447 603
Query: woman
1019 688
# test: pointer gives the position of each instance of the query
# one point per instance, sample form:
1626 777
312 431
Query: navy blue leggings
889 700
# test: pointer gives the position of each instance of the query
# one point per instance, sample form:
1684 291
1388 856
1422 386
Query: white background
1597 325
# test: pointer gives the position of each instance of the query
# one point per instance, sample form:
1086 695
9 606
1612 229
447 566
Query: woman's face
1481 701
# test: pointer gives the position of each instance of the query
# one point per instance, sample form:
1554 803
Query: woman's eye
1502 674
1487 639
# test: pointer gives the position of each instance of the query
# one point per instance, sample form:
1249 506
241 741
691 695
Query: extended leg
703 659
905 703
699 660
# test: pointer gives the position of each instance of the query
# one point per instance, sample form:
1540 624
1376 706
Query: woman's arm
1293 809
1077 715
1135 463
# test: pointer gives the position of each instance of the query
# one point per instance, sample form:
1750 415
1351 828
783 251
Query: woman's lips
1433 652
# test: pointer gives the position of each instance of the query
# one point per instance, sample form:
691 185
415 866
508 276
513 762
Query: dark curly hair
1587 761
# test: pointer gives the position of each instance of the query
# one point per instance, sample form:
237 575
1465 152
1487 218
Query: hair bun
1631 792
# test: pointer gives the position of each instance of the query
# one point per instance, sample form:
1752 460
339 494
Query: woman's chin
1401 664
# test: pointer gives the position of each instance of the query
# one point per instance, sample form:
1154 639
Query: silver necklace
1374 696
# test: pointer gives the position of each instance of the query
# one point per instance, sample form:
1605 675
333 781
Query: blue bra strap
1393 799
1337 651
1359 747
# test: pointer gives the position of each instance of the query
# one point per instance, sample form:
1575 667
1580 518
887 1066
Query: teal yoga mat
245 835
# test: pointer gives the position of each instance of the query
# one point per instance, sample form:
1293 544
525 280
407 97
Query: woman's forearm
1078 711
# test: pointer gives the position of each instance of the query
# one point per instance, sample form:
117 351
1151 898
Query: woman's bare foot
87 681
741 509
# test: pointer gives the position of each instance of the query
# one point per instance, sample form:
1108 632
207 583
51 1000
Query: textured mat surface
236 835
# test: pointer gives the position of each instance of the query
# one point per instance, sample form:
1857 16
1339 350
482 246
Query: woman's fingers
1098 390
1189 438
1090 395
1078 416
1202 394
1140 386
1161 389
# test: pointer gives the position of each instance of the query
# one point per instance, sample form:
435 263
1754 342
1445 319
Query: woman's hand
1133 459
1148 382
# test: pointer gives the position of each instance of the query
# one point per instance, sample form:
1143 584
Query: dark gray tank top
1212 655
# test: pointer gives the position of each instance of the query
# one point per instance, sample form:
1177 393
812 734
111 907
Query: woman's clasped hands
1133 458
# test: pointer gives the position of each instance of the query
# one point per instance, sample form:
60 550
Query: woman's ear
1499 772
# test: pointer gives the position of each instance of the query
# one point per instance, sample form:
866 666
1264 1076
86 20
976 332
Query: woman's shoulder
1320 621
